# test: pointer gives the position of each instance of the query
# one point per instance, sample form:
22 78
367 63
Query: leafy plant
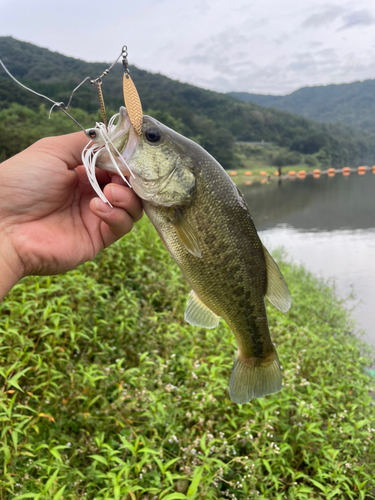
106 393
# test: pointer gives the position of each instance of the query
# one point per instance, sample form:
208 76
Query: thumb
67 148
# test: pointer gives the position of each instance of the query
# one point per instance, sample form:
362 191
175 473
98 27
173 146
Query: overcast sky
267 46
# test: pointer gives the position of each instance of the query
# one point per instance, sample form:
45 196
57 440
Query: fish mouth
112 148
118 145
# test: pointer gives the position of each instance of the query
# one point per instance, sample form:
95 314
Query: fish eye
92 134
153 134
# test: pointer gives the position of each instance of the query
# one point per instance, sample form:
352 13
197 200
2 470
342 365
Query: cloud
314 44
312 63
196 59
357 18
280 77
331 13
220 52
326 16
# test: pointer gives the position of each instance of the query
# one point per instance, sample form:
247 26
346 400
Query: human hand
49 220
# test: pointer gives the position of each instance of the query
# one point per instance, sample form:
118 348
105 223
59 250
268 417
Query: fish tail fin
254 377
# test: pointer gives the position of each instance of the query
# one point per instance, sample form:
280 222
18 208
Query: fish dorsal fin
186 234
277 289
198 314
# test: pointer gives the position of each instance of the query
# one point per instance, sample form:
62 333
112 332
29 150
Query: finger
115 222
116 179
102 177
125 198
67 148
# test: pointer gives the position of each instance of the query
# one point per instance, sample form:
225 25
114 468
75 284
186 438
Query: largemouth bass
205 224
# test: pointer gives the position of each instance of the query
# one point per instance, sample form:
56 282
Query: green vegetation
216 121
21 126
349 103
264 159
261 156
106 393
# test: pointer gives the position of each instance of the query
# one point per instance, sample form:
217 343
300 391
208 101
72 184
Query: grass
106 393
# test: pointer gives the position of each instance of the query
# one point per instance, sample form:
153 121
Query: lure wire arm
97 81
61 105
71 95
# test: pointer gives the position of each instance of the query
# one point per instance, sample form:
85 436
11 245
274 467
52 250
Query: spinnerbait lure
103 135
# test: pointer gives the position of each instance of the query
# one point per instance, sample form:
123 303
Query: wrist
10 267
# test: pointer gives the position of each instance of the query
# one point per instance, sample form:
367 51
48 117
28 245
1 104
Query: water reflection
328 224
326 203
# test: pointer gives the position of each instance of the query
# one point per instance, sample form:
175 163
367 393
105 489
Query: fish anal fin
277 289
186 234
253 378
198 314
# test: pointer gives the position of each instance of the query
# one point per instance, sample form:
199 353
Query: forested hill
214 120
350 103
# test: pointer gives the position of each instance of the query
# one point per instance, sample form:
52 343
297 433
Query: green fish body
204 222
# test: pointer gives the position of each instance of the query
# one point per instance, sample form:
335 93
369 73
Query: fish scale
204 221
238 251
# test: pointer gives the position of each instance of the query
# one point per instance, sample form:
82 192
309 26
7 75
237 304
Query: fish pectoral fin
277 289
198 314
186 234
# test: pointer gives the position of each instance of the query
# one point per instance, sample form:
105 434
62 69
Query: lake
328 225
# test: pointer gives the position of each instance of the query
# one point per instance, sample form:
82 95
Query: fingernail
102 207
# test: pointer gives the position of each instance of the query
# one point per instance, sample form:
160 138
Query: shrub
107 393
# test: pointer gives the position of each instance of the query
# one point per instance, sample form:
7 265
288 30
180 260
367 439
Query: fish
204 222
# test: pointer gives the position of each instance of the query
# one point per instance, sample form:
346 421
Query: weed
106 393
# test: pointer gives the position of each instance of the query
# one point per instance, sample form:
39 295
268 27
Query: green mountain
349 103
217 121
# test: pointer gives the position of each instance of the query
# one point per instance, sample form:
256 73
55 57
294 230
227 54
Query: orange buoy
373 169
291 173
346 169
232 173
316 174
361 169
345 173
331 174
276 173
331 171
263 173
301 173
248 183
248 173
361 172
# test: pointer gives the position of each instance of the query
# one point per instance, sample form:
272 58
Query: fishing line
101 135
60 105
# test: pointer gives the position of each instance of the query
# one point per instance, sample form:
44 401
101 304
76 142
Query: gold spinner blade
133 103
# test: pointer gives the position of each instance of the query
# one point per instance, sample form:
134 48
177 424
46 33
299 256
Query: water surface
327 224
